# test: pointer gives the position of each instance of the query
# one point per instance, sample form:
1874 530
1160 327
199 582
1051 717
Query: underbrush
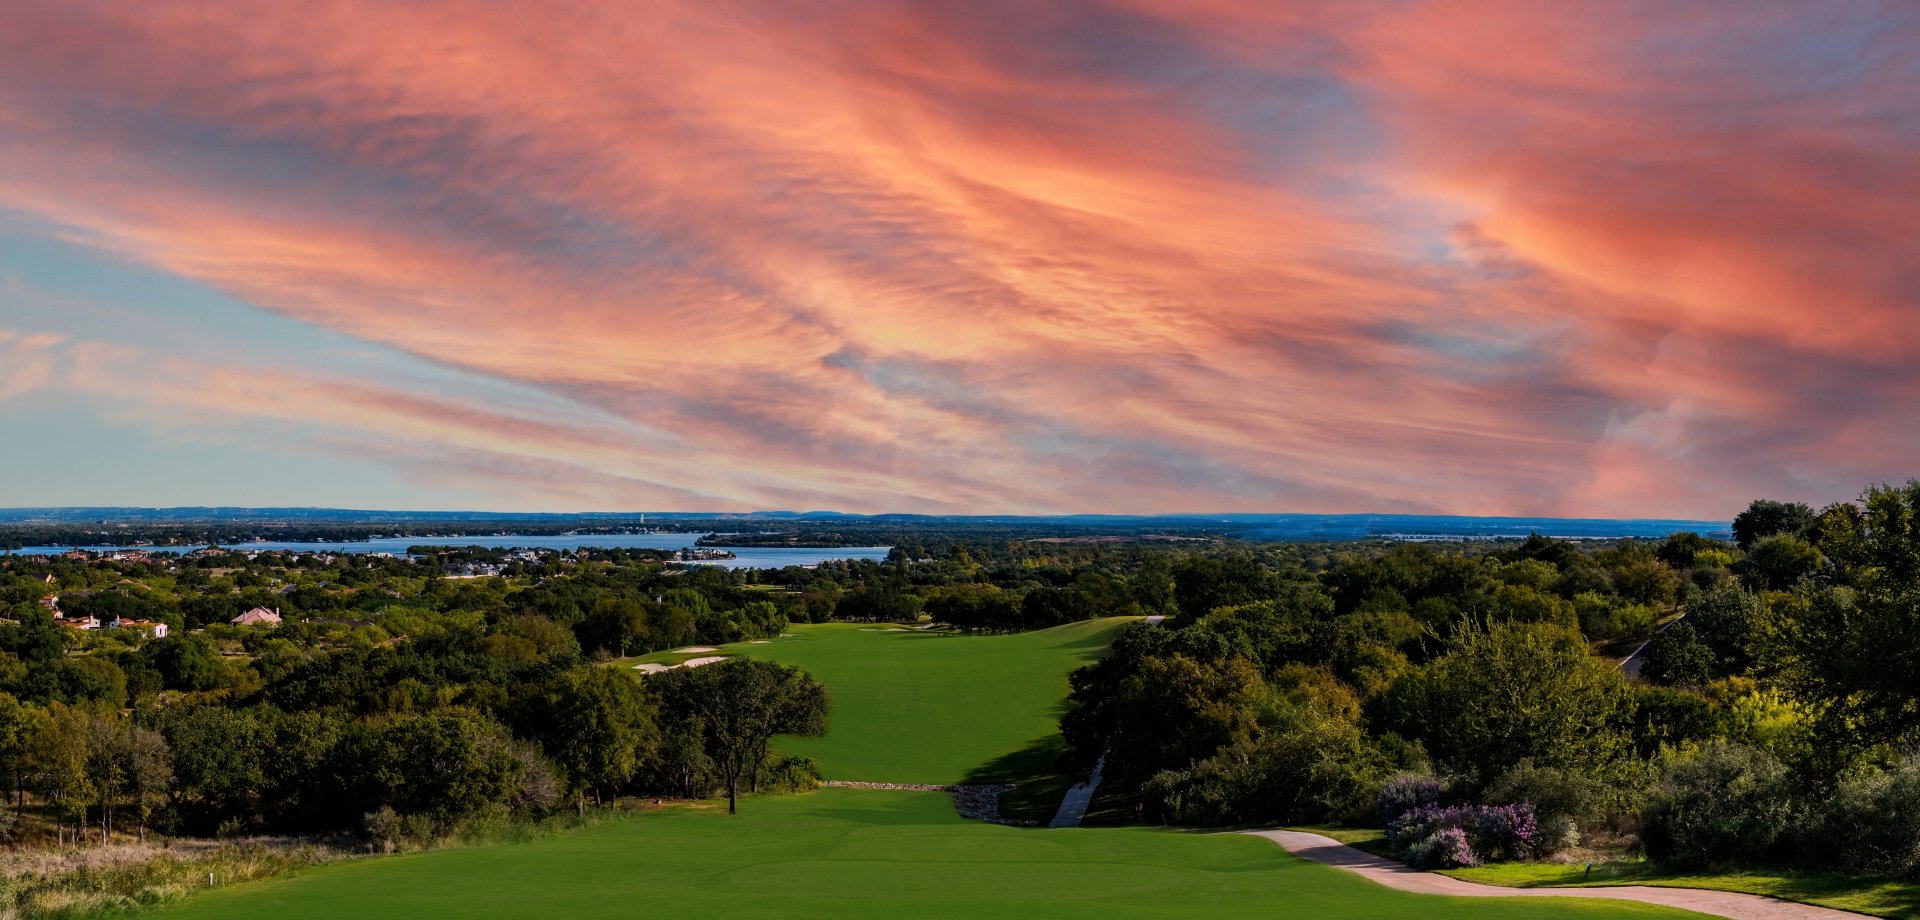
84 882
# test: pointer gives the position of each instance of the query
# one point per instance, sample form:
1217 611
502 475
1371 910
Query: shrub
1315 769
791 774
1719 804
1424 836
1872 821
1403 794
382 827
1554 793
1448 848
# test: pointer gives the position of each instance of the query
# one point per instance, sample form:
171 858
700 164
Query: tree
1514 692
219 758
1779 562
1854 653
1676 657
147 764
57 760
446 765
1724 619
1765 518
598 725
742 703
19 722
617 624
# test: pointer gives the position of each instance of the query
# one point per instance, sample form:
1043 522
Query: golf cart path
1386 872
1073 806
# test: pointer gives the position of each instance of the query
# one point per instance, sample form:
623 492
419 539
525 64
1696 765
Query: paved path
1394 875
1074 806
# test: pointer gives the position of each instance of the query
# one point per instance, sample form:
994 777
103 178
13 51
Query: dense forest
1750 701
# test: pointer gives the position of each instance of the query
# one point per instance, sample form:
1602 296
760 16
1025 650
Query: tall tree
1765 518
743 703
19 722
598 725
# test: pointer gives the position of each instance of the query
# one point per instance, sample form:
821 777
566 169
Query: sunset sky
1586 259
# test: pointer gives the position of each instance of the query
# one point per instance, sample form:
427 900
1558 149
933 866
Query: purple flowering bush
1437 837
1448 848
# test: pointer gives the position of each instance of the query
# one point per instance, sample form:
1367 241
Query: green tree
597 725
1515 692
1765 518
1676 657
57 760
220 759
446 765
742 704
19 723
1779 562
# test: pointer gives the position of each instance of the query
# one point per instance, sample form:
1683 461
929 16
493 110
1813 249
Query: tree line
1771 722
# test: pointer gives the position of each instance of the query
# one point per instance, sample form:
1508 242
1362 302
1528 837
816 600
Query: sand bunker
761 642
689 663
694 650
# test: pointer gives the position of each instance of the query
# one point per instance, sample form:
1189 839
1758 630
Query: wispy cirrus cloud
1585 259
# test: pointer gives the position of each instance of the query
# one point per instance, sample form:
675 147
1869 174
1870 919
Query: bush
1448 848
1872 822
1403 794
1723 803
791 774
1554 793
1425 837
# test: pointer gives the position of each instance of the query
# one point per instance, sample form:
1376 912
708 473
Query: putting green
855 854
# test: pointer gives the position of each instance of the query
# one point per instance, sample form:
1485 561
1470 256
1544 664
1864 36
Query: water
745 557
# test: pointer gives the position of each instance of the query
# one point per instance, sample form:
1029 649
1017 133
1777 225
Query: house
157 630
47 579
51 602
258 616
86 622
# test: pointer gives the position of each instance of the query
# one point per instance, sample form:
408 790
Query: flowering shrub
1403 794
1448 848
1431 836
1506 831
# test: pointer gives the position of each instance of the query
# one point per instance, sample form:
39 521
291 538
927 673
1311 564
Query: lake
746 557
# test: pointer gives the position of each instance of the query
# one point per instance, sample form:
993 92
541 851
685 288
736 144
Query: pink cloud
1440 256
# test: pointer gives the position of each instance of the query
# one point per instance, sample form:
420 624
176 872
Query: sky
1607 259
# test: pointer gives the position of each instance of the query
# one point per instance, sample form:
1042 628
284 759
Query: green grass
855 854
1877 896
912 706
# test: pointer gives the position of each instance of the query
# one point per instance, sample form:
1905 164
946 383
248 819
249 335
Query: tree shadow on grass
1040 784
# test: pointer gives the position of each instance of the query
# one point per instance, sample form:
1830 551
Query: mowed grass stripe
856 854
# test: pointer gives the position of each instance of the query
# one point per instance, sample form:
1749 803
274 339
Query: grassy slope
854 854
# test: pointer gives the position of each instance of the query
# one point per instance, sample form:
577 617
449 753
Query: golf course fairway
846 853
920 707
